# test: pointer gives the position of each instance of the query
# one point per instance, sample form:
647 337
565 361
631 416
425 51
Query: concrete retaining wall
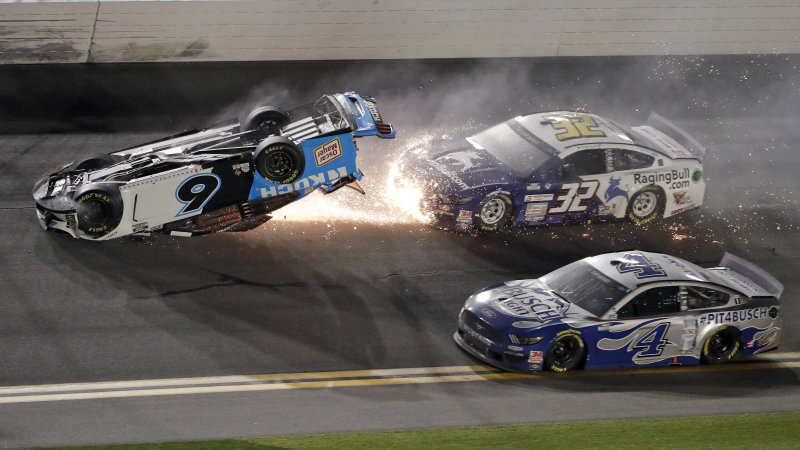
281 30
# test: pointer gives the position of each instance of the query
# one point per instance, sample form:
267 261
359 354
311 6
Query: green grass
746 431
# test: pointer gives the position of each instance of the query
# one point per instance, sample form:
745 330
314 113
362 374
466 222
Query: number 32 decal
574 197
196 191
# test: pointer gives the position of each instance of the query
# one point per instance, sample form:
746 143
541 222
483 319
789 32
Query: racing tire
279 160
721 346
266 118
93 161
567 353
98 209
495 213
646 205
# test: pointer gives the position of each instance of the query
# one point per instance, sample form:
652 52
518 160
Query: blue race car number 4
640 266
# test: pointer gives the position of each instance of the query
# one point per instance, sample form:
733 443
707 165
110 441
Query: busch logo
327 152
535 304
311 181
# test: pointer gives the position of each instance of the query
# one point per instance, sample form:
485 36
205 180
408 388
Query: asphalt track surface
337 315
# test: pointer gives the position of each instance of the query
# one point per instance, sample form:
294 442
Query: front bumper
521 359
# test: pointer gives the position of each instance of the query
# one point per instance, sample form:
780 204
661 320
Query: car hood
524 305
454 165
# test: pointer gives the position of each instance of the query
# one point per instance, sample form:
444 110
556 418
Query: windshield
582 284
520 154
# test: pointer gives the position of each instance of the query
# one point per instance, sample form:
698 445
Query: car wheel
646 205
721 346
92 161
565 354
279 160
495 213
266 118
98 210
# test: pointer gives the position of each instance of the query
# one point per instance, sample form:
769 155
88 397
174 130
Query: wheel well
659 191
734 332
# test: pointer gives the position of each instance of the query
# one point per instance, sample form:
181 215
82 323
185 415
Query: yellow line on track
273 377
334 379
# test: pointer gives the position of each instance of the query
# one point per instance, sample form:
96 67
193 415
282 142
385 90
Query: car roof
552 129
635 268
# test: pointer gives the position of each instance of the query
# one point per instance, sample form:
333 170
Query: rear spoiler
752 273
681 137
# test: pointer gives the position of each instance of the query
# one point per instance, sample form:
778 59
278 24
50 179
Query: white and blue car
556 167
621 310
226 178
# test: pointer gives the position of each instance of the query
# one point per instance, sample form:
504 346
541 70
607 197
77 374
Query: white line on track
333 379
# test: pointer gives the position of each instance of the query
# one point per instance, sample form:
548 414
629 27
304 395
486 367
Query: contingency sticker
327 152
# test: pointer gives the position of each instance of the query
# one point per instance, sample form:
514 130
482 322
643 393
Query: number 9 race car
226 178
556 167
627 309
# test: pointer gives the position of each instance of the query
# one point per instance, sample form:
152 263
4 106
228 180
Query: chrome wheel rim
493 211
644 204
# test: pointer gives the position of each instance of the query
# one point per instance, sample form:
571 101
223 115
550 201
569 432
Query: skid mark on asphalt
333 379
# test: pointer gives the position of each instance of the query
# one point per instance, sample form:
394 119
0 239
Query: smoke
740 107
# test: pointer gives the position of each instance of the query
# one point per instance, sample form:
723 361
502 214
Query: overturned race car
556 167
225 178
626 309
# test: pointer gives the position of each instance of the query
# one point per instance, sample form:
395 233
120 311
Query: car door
571 187
615 187
647 329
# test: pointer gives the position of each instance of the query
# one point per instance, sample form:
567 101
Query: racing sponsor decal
689 333
314 180
538 198
464 218
458 181
327 152
465 160
194 192
734 316
140 227
535 212
765 337
674 179
680 197
614 190
488 312
534 186
697 175
373 110
239 169
640 266
536 357
72 222
528 300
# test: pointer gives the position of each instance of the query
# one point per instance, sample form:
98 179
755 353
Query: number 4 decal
196 191
652 343
574 197
640 266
